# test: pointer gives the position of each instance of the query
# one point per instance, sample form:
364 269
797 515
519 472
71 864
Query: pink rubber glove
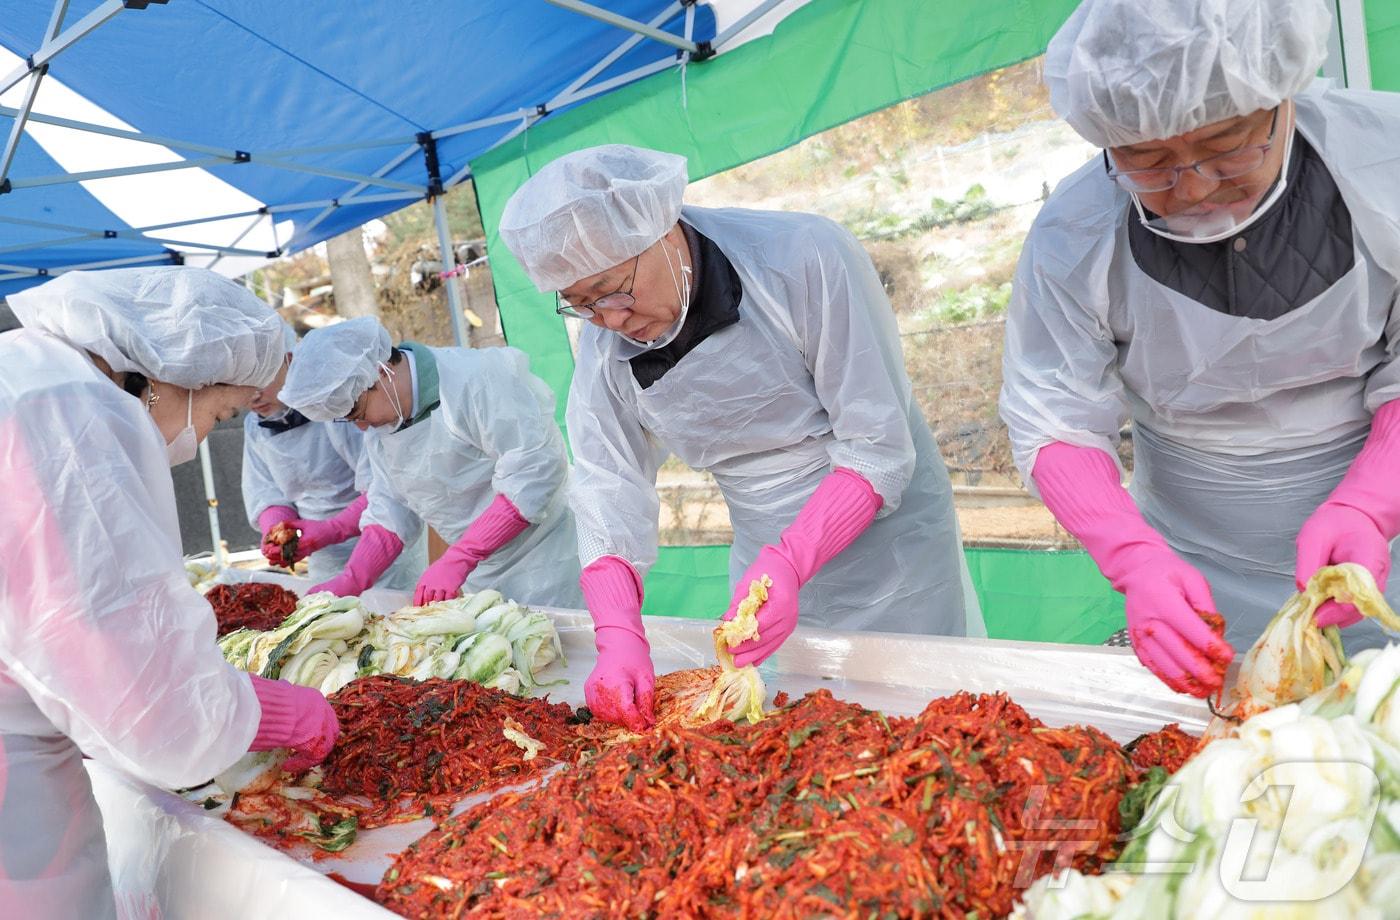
316 535
495 527
271 516
1162 593
622 687
1359 518
842 507
294 717
376 551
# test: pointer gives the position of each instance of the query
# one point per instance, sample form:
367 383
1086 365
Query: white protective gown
1241 427
317 468
810 378
493 433
105 649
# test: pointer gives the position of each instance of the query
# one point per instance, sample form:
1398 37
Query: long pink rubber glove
320 534
1359 518
842 507
271 516
1162 592
495 527
622 687
376 551
294 717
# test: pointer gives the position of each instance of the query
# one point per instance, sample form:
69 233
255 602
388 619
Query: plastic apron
443 476
53 855
906 573
318 468
1234 516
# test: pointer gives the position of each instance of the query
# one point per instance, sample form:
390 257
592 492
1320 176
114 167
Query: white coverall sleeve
851 344
613 490
97 621
509 415
1060 379
385 504
260 490
349 444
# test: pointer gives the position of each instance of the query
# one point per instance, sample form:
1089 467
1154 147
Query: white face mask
393 395
1217 225
186 444
682 284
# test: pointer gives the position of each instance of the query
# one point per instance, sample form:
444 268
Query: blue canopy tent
318 117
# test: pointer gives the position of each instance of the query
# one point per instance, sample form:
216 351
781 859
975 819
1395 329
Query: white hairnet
289 337
184 326
333 366
1127 71
590 210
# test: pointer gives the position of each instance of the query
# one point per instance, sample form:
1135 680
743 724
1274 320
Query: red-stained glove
622 687
1162 593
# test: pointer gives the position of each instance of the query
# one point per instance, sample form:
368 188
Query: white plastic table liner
172 859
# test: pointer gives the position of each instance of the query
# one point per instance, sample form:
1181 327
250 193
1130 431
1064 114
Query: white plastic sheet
170 855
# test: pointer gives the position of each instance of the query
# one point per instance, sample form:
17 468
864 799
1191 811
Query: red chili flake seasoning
415 749
823 808
1169 748
257 606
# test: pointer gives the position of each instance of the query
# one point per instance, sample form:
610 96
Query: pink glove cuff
1372 482
612 590
346 524
273 515
1080 487
500 523
281 705
842 507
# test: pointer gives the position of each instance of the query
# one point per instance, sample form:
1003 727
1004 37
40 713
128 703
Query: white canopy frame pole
210 496
1356 52
31 92
23 271
57 44
622 22
748 19
304 231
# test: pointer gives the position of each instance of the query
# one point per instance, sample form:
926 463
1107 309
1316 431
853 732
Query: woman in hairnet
1225 275
462 438
759 346
105 649
312 476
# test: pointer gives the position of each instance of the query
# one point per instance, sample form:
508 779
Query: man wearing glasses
1225 275
461 438
759 346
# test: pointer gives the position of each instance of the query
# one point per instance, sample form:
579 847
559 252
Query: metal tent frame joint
430 162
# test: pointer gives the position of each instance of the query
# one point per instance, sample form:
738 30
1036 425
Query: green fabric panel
827 63
1383 42
1029 595
1044 596
688 581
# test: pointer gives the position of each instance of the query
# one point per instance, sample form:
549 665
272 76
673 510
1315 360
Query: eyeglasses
618 300
1231 165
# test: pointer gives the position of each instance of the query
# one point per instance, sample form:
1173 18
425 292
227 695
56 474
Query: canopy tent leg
460 335
213 499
